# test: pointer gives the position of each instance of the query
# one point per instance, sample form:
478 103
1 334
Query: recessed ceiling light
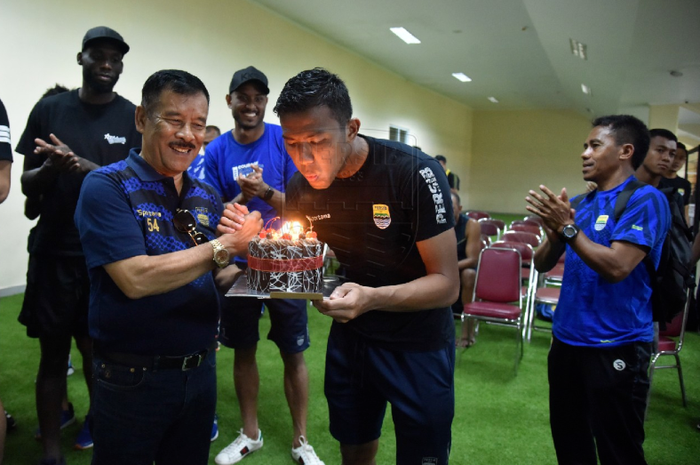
404 35
578 49
585 89
462 77
493 99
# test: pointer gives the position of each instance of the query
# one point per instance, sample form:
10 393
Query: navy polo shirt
126 210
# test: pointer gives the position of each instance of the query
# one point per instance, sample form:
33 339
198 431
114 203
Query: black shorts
57 296
361 379
240 317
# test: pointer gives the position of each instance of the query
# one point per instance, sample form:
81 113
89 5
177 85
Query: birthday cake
285 260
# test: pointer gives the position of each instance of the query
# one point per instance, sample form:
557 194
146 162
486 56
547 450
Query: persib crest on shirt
381 215
202 216
601 222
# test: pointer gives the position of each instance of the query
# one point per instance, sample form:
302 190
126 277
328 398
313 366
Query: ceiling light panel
493 99
462 77
404 35
585 89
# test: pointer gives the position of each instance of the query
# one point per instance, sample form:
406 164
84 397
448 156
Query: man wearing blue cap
67 136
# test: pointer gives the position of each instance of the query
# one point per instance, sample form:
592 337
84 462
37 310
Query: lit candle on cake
288 259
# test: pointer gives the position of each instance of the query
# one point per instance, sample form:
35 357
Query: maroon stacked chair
489 228
497 295
522 236
477 214
525 227
670 344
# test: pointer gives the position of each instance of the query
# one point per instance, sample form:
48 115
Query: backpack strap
625 196
620 202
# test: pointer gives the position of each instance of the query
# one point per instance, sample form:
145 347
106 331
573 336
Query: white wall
210 39
515 151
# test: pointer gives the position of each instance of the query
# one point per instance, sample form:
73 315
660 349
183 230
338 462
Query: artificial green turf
500 418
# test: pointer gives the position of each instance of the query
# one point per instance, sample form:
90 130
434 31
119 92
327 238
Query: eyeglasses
185 222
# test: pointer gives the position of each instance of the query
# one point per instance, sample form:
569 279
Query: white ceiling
518 50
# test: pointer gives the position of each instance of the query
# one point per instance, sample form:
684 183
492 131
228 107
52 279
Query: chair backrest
477 215
489 229
498 275
527 227
485 241
525 250
535 219
521 236
500 224
527 255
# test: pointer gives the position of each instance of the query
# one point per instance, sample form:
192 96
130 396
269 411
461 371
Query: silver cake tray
240 289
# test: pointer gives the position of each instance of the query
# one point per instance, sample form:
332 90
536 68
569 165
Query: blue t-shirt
225 159
125 210
196 168
593 311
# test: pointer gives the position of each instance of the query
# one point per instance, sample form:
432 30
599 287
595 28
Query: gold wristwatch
221 255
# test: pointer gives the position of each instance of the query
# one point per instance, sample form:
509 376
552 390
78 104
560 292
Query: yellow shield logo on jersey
382 218
203 219
601 222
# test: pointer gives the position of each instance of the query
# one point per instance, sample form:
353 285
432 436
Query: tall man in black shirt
385 210
672 179
67 136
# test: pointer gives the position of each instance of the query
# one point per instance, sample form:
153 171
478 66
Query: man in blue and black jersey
602 328
148 230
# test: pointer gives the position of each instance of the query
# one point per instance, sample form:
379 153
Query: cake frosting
284 262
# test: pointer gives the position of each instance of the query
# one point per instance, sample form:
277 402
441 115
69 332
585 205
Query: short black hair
55 90
180 82
315 88
681 145
211 127
628 130
665 133
441 158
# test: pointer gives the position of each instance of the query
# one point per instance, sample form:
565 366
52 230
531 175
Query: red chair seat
666 344
493 310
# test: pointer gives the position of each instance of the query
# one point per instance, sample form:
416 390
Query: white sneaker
238 449
304 454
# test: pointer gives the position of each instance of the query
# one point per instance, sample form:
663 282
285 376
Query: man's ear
140 118
80 58
626 152
228 101
352 128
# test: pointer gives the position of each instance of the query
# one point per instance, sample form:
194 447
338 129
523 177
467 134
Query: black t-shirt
102 134
453 180
372 222
5 147
681 184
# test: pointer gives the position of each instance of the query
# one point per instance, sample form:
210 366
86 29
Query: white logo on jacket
115 139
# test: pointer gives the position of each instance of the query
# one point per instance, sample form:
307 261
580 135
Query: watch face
569 231
222 255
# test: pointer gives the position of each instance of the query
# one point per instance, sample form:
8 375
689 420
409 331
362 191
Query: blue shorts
361 379
240 317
